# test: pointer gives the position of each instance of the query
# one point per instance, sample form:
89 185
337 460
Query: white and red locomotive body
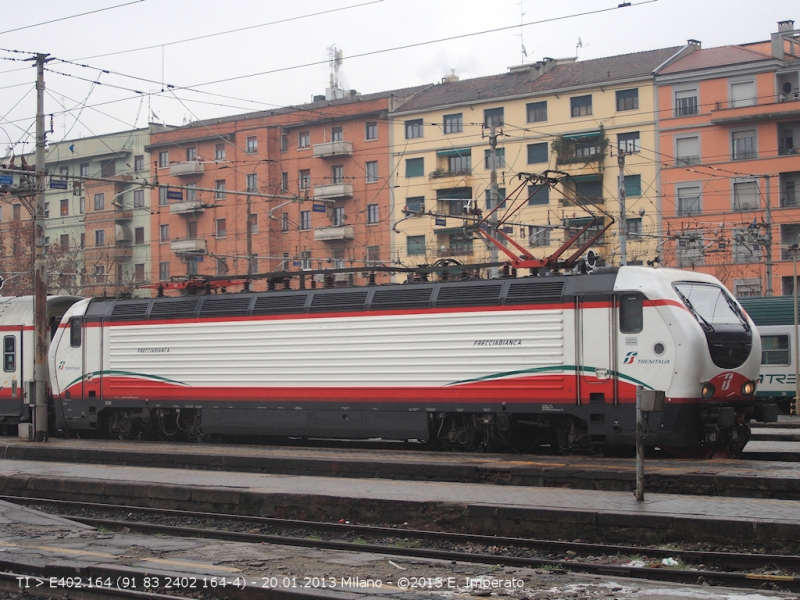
513 361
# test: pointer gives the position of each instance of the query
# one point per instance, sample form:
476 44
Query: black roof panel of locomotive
456 294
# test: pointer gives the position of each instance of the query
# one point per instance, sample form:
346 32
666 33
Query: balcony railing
687 161
329 192
187 206
188 246
333 149
333 234
191 167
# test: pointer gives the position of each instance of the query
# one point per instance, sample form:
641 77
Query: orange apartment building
313 180
729 130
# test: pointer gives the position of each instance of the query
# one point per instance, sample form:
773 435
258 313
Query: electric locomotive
515 362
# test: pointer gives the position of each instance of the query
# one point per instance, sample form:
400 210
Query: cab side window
9 353
75 333
631 314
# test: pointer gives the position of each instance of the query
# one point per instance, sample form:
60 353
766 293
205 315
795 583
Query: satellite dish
591 258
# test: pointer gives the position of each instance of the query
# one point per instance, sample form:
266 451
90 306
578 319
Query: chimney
779 40
784 26
450 78
696 43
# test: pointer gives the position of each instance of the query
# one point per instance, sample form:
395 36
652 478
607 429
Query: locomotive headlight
707 391
749 388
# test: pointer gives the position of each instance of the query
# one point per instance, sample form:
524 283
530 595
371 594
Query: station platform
474 508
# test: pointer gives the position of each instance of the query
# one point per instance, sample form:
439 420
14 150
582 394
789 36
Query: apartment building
295 188
567 118
729 120
96 216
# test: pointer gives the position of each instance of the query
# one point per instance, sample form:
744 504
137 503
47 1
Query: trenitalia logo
630 357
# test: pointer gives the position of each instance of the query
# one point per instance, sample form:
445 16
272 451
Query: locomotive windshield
726 328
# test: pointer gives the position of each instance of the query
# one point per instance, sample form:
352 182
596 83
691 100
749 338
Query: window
337 174
589 191
338 216
84 170
745 247
9 353
415 167
99 201
219 151
138 272
284 181
371 130
163 271
631 313
538 195
458 164
686 102
99 237
304 179
458 243
64 242
743 144
453 123
415 204
138 162
163 159
75 333
284 142
688 201
254 223
775 350
82 205
108 167
453 201
633 228
633 185
581 106
537 153
501 197
285 222
64 208
743 93
83 241
629 142
163 200
191 267
536 112
191 191
373 256
745 195
413 129
251 182
499 159
305 220
16 212
138 235
493 117
303 139
46 210
251 144
415 245
627 99
191 153
687 151
222 266
372 171
538 235
372 214
191 229
164 232
138 198
99 273
219 186
305 259
336 133
221 229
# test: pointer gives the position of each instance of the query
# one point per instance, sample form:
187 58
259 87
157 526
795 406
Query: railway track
734 569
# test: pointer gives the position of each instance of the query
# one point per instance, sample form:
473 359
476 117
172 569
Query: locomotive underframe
556 428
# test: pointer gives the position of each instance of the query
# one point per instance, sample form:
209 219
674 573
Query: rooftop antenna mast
335 60
523 52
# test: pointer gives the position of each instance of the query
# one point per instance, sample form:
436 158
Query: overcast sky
256 54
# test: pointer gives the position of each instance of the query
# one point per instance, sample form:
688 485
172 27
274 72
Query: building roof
562 76
714 57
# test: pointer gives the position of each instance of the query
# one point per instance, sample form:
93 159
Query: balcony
442 180
777 109
187 206
333 149
122 213
191 167
123 250
333 234
333 191
188 246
